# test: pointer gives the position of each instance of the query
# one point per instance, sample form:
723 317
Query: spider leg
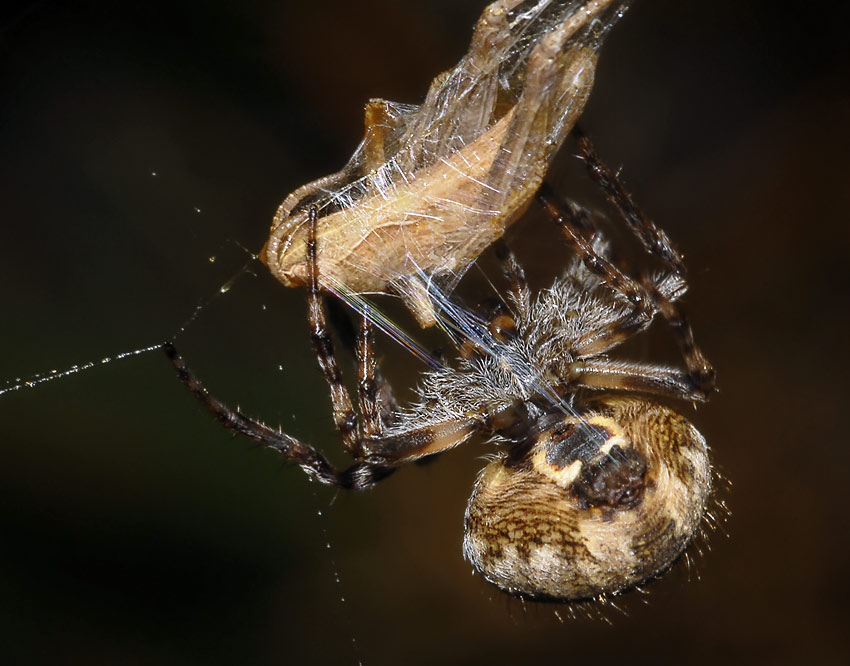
344 416
653 239
367 384
416 442
646 299
573 223
580 217
359 476
373 447
398 448
700 370
606 374
380 410
378 455
352 339
657 244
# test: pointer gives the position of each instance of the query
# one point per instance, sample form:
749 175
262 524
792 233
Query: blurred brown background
136 531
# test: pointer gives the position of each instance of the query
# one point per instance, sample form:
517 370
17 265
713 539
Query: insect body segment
432 186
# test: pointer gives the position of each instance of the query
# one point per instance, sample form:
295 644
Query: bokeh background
145 144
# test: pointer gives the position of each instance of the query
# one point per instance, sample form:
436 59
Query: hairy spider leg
367 385
378 405
654 240
375 398
646 301
657 244
371 444
567 218
358 476
344 416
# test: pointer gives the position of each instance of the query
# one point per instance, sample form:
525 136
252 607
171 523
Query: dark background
136 531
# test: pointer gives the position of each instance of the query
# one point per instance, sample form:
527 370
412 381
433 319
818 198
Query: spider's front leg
359 476
371 445
344 416
383 453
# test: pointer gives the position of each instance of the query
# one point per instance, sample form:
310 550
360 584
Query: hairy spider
598 485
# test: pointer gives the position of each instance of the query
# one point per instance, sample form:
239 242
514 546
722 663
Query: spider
597 486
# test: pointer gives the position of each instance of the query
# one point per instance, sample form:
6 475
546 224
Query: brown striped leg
579 217
394 450
375 396
359 476
657 244
343 411
607 374
384 453
653 239
360 342
646 299
632 290
367 385
700 370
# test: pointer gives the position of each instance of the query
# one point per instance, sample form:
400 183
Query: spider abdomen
600 503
